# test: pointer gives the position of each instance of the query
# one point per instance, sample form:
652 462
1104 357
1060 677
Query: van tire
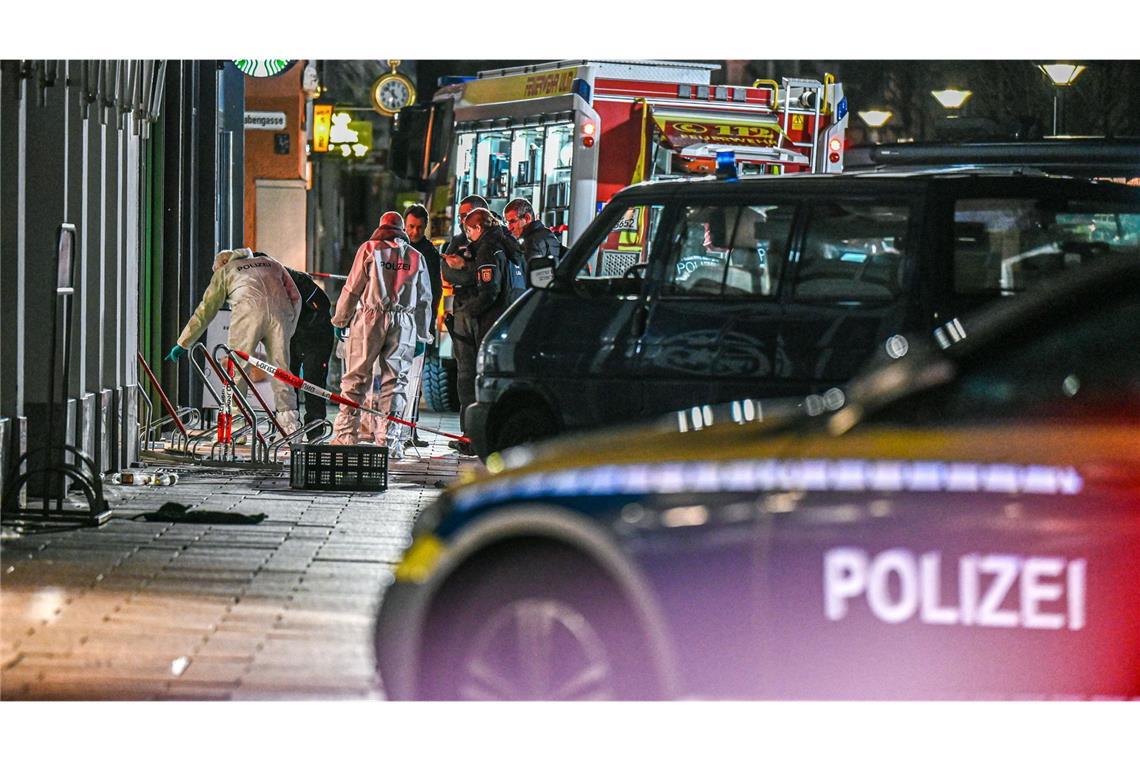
523 425
439 385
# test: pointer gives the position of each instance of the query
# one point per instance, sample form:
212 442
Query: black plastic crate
318 467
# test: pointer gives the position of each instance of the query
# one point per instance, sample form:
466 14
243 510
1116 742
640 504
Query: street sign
270 120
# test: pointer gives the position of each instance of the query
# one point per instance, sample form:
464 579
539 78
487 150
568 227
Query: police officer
479 301
537 239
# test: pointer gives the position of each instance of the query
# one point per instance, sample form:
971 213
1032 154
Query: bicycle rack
298 436
208 434
172 413
90 480
253 389
146 413
258 447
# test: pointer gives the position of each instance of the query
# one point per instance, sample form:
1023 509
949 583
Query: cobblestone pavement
282 609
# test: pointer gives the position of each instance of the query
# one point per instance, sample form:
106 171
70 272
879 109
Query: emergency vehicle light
835 145
726 165
588 129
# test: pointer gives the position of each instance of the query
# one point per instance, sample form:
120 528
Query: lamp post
1061 75
952 99
875 119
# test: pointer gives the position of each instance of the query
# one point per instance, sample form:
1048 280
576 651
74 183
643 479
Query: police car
963 522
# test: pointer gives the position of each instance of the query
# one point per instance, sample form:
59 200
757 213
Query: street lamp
952 99
1061 75
875 119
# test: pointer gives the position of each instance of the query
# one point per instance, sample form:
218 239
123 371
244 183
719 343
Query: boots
289 420
346 427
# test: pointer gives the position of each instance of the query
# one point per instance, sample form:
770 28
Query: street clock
392 91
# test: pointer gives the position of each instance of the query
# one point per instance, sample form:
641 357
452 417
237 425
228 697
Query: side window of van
626 245
853 251
728 251
1007 245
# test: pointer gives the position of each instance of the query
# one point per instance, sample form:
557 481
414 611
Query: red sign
680 134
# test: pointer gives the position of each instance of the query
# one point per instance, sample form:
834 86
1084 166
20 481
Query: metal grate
615 263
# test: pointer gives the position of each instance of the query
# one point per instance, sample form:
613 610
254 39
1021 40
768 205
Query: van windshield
624 248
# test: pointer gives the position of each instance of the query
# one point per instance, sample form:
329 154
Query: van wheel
541 623
523 425
439 385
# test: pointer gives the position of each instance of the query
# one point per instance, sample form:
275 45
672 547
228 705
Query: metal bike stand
259 448
252 388
90 480
172 413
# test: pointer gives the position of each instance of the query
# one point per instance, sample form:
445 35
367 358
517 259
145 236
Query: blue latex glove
420 348
341 333
176 353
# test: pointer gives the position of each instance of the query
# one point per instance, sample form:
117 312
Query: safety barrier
286 439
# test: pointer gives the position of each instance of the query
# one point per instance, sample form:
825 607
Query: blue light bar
726 165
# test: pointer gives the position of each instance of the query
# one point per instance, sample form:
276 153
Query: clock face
393 93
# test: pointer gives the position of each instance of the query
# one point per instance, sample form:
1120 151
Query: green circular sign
263 68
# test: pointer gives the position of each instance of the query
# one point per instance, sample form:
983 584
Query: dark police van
691 292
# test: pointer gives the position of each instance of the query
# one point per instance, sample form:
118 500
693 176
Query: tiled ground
156 610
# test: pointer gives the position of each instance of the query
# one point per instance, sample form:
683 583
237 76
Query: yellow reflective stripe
420 559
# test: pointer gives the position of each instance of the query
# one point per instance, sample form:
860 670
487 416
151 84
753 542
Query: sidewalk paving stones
280 609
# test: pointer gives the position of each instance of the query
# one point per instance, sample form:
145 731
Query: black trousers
465 340
309 352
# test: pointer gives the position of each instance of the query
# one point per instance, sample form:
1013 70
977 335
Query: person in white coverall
264 305
390 282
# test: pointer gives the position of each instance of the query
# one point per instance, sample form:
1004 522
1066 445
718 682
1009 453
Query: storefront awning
684 128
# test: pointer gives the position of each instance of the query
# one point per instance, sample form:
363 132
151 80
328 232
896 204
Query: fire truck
567 135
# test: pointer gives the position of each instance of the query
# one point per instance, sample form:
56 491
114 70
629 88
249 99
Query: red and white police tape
307 387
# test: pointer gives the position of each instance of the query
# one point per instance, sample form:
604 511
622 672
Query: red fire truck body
568 135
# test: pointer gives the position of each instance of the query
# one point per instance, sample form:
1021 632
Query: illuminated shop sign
521 87
260 68
322 124
349 138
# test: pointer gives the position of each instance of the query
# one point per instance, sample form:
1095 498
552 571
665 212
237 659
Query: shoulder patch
487 272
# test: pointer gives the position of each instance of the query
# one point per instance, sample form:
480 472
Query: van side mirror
540 272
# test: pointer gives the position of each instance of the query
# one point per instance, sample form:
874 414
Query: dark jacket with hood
539 240
490 294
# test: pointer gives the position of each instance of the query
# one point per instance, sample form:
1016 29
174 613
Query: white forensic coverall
390 281
264 305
